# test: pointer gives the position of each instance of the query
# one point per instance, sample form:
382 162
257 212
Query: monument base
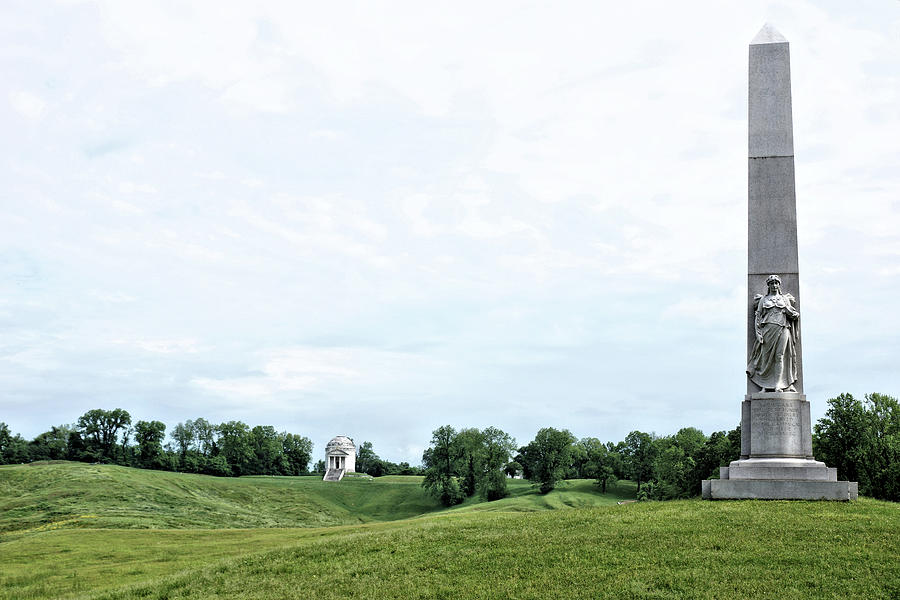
778 468
778 479
776 456
779 489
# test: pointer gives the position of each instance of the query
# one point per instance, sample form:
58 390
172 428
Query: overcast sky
376 218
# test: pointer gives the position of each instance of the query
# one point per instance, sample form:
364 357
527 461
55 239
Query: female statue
773 360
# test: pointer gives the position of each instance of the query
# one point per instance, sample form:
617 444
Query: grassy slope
71 527
505 549
40 496
575 493
75 495
685 549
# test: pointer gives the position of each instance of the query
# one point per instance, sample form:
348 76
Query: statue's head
773 282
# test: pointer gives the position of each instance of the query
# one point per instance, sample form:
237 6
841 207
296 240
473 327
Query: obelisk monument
776 440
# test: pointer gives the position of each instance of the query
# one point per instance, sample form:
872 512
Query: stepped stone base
333 475
779 489
778 468
779 479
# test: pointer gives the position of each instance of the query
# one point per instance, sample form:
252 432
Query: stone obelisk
772 200
776 443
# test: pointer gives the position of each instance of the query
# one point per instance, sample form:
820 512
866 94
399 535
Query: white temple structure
340 458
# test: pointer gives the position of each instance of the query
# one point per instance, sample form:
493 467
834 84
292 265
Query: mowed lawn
588 547
67 494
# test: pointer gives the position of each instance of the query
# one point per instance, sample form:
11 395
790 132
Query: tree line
860 438
198 446
461 464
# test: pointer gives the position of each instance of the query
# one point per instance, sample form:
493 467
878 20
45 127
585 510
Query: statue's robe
773 362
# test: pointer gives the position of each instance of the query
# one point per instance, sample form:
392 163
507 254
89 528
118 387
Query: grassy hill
512 548
54 495
574 493
68 494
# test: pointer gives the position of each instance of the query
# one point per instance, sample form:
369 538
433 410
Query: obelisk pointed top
768 35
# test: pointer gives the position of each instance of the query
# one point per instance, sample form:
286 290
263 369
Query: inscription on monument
781 419
776 427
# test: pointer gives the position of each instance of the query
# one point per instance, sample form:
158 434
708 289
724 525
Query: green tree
51 445
512 468
407 469
672 468
169 460
183 434
519 459
675 464
217 465
549 456
690 440
439 460
149 436
497 447
13 448
582 463
205 436
386 467
881 468
5 442
603 461
297 450
620 465
76 449
469 453
719 450
100 430
838 438
267 451
367 461
640 454
862 439
235 448
127 452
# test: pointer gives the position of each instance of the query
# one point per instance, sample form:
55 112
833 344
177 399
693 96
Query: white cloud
302 369
27 104
161 346
708 310
130 187
264 94
241 388
117 297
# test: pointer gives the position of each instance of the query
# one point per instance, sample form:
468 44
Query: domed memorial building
340 458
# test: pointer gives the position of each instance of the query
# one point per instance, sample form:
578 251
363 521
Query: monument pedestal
776 456
779 489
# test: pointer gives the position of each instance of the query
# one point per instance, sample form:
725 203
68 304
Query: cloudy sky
373 219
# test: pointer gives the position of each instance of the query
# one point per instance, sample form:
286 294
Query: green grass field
86 531
104 496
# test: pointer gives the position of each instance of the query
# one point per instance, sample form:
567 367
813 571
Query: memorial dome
340 442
